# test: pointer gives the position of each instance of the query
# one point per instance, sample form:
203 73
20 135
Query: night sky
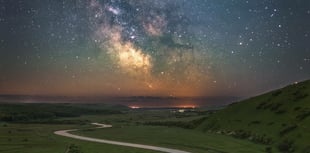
152 47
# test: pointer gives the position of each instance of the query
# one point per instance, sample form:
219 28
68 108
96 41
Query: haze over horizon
152 47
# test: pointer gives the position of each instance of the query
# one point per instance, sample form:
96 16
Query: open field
32 138
188 140
39 138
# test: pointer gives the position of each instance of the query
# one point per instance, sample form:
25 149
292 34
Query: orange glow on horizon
172 106
187 106
134 107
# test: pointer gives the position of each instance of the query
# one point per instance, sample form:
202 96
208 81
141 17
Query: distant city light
187 106
134 107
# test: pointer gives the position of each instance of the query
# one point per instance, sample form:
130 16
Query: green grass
38 138
279 119
134 117
281 115
190 140
48 112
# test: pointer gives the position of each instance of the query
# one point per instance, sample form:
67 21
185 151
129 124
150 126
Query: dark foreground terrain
277 121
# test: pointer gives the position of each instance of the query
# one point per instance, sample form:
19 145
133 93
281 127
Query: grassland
39 138
47 112
172 137
279 119
128 126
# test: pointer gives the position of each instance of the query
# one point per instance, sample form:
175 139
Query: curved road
162 149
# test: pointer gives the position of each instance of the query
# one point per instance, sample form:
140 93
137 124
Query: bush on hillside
287 129
286 146
270 123
298 95
303 114
254 137
282 111
186 125
254 122
297 108
73 149
276 93
275 106
261 105
268 149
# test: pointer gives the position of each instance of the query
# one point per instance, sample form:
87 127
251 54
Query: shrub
304 114
238 120
299 96
25 140
268 149
73 149
297 108
287 130
254 122
187 125
261 105
286 146
262 139
275 106
267 106
241 134
282 111
276 93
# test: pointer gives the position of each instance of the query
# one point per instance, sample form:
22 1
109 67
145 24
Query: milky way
152 47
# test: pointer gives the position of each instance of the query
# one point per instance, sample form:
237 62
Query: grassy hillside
172 137
279 119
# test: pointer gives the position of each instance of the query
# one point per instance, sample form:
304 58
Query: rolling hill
279 119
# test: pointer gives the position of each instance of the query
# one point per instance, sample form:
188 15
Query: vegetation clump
303 114
287 129
73 149
286 146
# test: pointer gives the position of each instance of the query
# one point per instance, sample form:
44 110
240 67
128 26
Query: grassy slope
281 115
190 140
39 138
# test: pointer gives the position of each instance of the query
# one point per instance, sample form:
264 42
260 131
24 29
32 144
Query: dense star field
152 47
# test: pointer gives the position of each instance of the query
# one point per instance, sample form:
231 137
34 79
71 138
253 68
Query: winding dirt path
66 133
